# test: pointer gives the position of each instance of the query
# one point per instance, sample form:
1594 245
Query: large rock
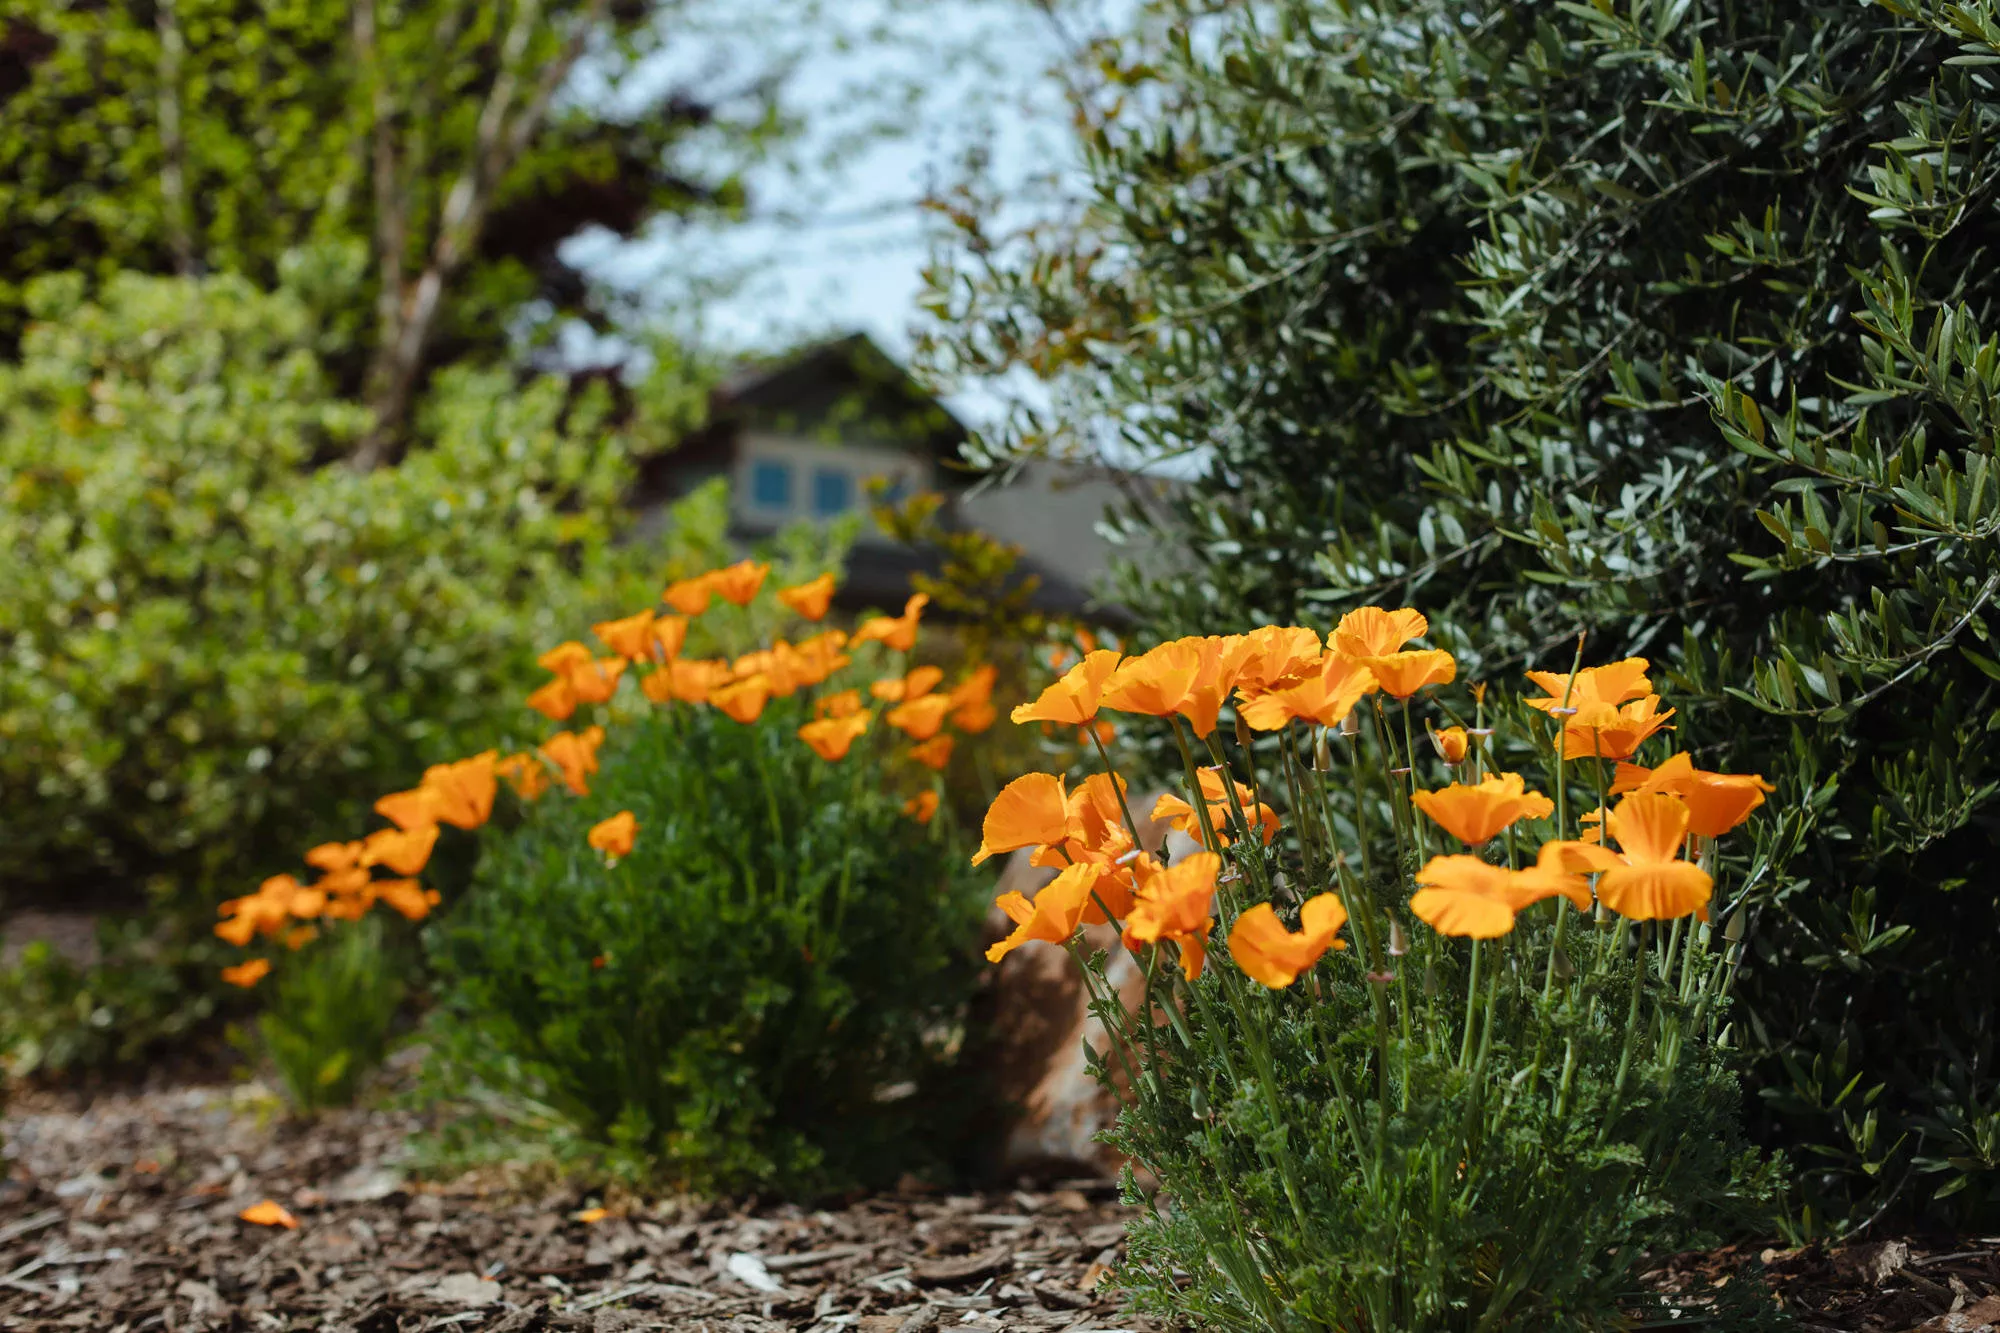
1041 1022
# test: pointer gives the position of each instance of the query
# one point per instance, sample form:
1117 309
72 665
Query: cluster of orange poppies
1280 675
461 794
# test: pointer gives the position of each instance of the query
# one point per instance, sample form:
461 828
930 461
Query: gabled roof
848 389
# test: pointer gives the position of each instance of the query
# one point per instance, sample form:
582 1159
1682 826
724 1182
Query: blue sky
834 249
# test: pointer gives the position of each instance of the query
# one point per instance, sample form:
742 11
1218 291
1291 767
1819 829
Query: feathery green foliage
1671 321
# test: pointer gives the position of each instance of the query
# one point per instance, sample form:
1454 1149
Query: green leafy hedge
1667 320
214 651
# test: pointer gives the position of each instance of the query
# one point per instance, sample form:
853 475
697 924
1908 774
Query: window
833 492
771 484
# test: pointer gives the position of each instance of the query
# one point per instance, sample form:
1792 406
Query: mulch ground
119 1213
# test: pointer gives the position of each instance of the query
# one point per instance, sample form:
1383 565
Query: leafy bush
733 954
327 1020
1672 322
210 645
1483 1122
757 996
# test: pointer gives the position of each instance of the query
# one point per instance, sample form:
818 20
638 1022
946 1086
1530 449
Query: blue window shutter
771 484
833 492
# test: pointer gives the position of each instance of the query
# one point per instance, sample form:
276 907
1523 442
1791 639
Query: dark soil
121 1213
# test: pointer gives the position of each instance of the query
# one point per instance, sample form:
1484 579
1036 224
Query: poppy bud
1242 732
1733 929
1350 725
1198 1102
1322 757
1430 981
1451 744
1559 961
1399 943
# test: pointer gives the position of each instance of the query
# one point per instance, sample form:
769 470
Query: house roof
848 389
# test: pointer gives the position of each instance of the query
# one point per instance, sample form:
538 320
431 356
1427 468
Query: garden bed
121 1213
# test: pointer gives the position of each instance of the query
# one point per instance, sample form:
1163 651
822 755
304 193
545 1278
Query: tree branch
173 142
498 145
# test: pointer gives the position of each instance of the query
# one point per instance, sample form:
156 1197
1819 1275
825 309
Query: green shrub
1673 322
210 647
327 1016
760 995
213 650
1364 1109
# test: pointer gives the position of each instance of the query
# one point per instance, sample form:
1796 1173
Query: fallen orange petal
270 1214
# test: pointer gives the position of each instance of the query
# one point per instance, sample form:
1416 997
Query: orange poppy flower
1273 956
1030 811
575 756
743 700
1654 884
595 681
462 793
408 897
1188 676
690 596
614 836
809 599
1472 814
408 809
896 689
269 1214
897 632
1278 653
934 753
629 637
974 718
1612 684
1372 632
919 719
1095 827
402 851
561 658
1324 696
247 974
921 806
1181 814
1465 897
738 583
688 680
1065 902
300 937
1615 732
831 737
354 905
262 912
1074 698
669 637
1716 802
976 687
525 774
1451 745
554 700
335 855
1173 904
1403 674
844 704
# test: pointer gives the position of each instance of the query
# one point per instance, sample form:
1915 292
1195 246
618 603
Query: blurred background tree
445 140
